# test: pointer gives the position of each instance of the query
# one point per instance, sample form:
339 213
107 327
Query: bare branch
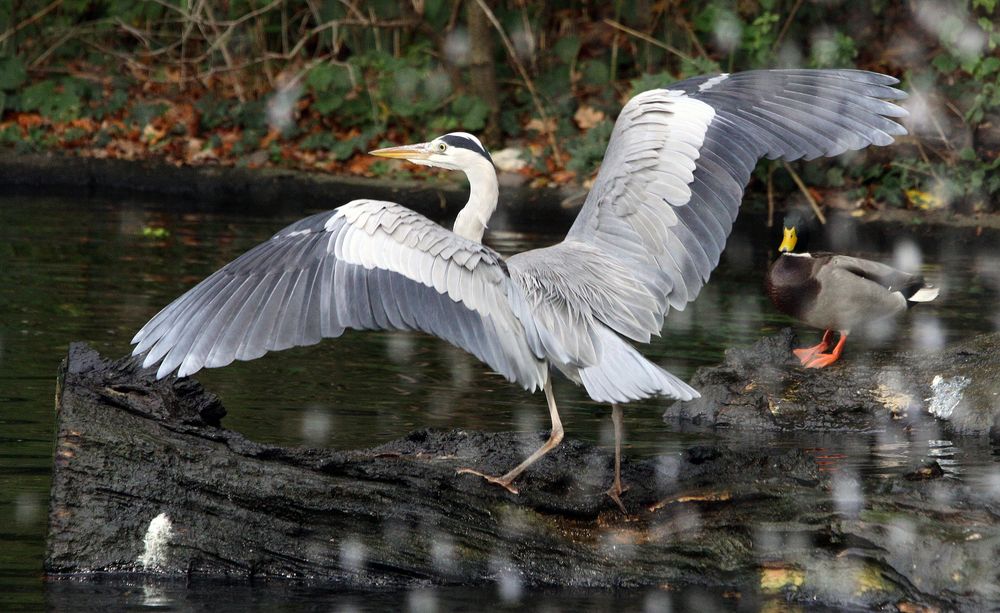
30 20
805 192
512 52
649 39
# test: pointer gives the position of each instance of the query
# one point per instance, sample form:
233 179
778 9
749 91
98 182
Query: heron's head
454 151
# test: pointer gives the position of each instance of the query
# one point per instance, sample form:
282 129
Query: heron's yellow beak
405 152
788 242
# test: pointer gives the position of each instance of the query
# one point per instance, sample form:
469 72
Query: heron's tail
623 374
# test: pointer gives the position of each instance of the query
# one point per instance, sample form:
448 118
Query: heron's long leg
555 437
616 489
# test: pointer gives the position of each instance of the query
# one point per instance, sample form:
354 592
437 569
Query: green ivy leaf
944 63
326 103
595 72
34 96
12 72
320 77
987 67
471 111
567 48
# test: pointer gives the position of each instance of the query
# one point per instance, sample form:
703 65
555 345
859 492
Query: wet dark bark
762 387
756 520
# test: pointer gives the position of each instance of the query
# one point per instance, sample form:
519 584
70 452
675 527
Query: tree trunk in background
482 73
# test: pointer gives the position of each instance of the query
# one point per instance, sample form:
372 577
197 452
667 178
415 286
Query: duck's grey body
839 292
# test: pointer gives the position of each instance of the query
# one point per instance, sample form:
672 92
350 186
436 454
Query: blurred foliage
316 84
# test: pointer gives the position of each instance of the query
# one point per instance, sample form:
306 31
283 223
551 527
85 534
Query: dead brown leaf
563 177
545 127
152 134
586 117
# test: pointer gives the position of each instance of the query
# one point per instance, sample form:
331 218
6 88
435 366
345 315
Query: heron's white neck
483 193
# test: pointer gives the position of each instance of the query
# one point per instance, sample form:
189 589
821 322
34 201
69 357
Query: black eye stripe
465 143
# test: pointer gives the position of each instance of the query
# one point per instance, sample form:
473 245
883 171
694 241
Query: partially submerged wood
147 481
763 387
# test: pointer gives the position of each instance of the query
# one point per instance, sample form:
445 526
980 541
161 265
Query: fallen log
147 482
762 387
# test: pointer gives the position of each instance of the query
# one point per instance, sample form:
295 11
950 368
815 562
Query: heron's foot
504 483
615 493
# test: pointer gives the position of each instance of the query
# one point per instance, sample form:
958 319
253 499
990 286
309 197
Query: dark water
84 269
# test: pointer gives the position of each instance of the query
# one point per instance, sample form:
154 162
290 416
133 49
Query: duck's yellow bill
788 242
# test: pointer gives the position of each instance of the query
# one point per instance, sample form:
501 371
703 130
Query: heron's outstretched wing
679 159
366 265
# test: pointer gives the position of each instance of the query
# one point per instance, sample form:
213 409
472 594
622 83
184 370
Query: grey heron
645 241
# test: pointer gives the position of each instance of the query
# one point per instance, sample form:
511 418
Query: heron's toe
504 483
615 493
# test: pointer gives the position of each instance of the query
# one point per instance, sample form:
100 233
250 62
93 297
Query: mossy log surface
755 521
763 387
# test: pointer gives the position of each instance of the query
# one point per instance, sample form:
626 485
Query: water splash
847 495
443 554
952 24
524 43
728 31
26 508
906 255
422 601
657 602
457 46
510 586
317 424
353 554
946 394
928 334
281 106
156 542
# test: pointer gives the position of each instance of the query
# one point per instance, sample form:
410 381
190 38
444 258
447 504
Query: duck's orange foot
822 360
504 483
805 354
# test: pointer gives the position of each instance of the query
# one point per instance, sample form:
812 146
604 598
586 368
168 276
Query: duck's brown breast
791 285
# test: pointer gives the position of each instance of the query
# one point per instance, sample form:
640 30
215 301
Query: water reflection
82 269
224 597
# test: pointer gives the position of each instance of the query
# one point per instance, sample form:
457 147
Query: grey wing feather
673 176
349 268
571 290
884 275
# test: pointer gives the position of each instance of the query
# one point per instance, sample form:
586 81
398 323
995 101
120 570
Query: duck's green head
796 228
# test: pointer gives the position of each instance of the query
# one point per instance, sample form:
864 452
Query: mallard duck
836 292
